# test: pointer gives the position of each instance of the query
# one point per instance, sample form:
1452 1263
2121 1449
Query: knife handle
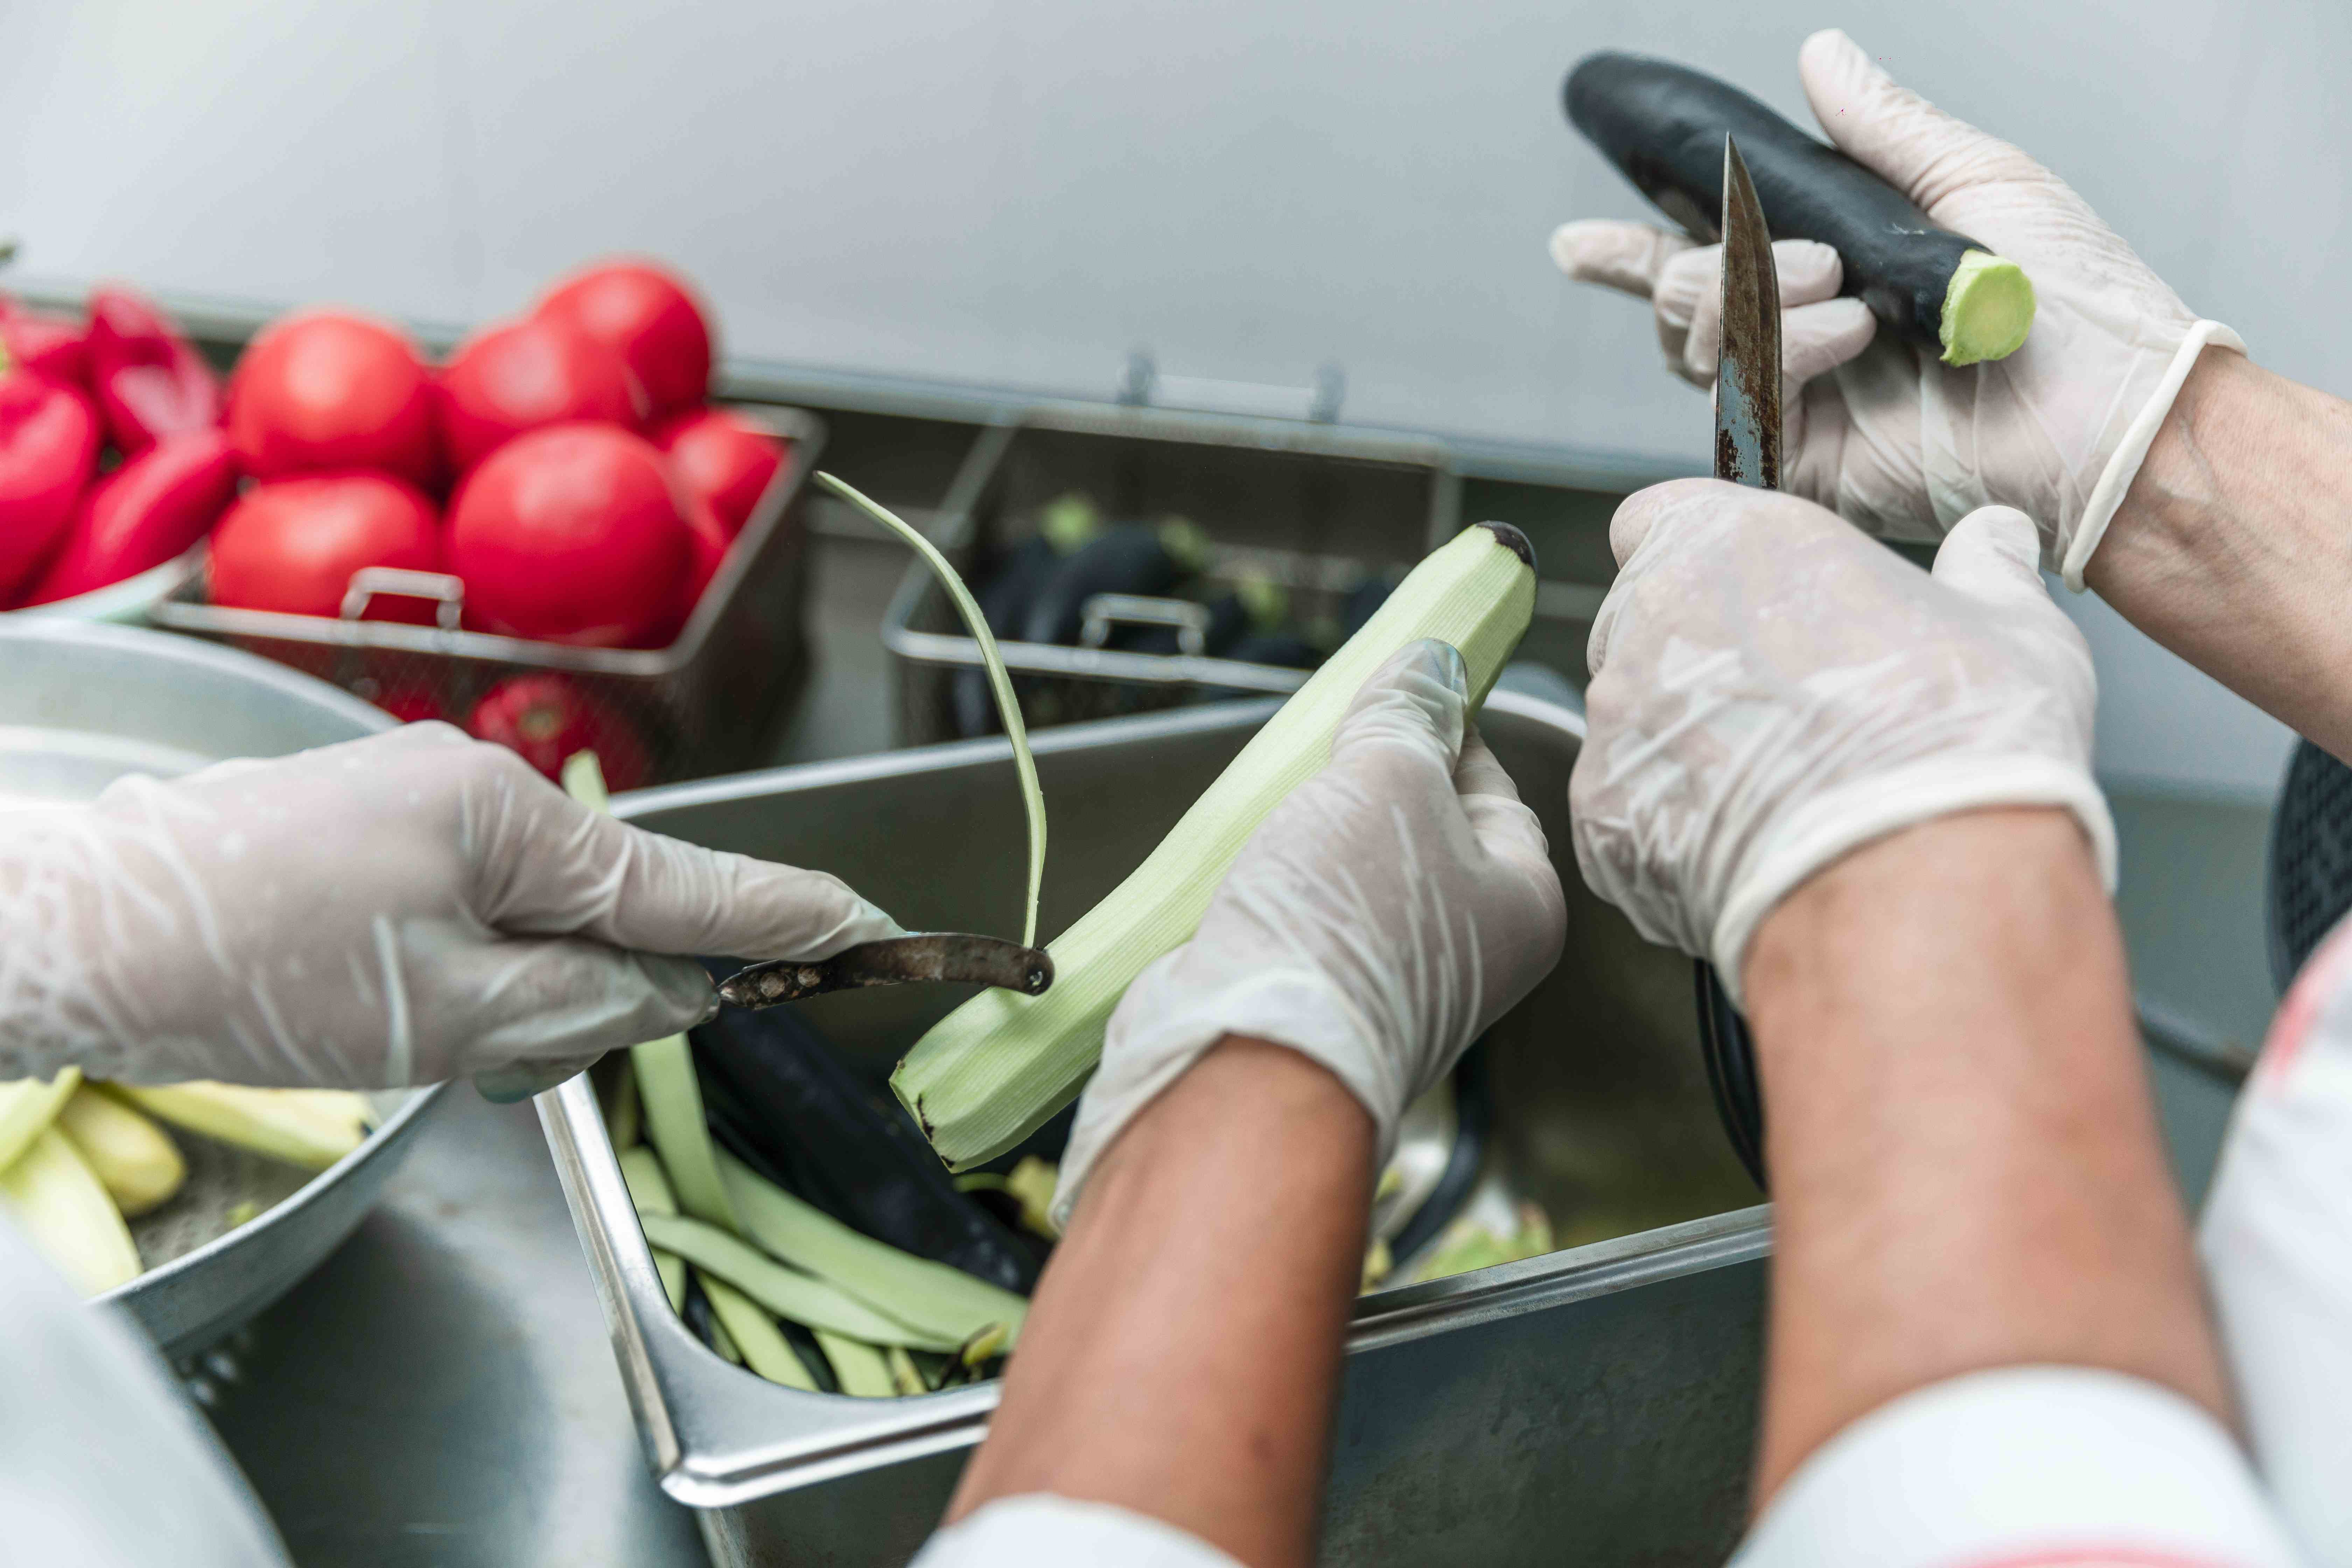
895 960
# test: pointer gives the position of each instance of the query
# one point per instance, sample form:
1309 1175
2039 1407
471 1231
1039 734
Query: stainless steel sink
1596 1405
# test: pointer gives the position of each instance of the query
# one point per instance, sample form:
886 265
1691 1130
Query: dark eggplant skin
1004 605
775 1087
1127 559
1283 649
1663 126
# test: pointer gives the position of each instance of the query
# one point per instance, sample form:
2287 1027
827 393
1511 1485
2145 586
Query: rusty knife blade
895 960
1748 363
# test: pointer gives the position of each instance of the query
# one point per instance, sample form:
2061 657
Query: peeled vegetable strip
62 1209
931 1296
990 1073
863 1372
1008 708
27 1106
649 1193
798 1297
757 1339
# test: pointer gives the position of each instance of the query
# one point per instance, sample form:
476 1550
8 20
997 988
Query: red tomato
521 375
651 316
48 447
292 544
142 514
571 534
51 345
546 719
329 389
149 380
727 459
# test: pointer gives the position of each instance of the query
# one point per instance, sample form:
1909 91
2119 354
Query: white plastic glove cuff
2115 479
1842 819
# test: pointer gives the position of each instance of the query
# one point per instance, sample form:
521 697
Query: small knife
895 960
1746 452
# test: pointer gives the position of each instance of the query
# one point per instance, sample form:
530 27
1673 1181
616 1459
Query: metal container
1314 510
1604 1396
82 705
709 702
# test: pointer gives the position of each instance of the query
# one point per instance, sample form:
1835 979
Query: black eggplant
1363 600
1129 558
774 1087
1663 125
1003 604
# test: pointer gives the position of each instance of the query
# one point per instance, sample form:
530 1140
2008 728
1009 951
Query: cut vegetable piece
782 1291
990 1073
675 1126
946 1301
905 1376
622 1125
785 1102
863 1371
757 1339
59 1203
27 1106
133 1159
705 1323
312 1128
1008 709
650 1194
1663 125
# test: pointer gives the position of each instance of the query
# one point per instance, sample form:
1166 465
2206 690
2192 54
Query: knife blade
894 960
1748 362
1746 452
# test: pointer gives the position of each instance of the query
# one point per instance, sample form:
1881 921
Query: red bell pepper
149 380
48 449
142 514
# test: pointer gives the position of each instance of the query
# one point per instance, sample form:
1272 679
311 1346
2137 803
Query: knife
894 960
1746 452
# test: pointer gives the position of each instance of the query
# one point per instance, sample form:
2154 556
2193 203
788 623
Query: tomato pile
565 466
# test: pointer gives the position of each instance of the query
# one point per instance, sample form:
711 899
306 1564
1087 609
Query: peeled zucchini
62 1209
27 1105
135 1160
312 1128
990 1072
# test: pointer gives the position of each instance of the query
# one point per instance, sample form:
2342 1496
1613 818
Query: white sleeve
2277 1242
2034 1467
103 1461
1044 1532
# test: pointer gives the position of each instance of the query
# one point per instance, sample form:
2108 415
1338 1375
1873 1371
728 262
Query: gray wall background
1015 194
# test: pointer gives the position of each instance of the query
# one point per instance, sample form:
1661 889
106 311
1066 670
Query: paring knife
1746 452
895 960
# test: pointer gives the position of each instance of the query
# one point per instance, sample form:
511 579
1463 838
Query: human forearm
1965 1161
2234 546
1183 1350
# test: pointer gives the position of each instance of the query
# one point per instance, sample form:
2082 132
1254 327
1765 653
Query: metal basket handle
1103 611
447 592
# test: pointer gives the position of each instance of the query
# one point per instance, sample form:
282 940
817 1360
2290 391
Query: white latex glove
398 910
1883 431
1399 903
1770 690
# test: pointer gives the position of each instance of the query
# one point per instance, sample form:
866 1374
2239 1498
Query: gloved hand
1882 430
1770 690
1399 903
393 910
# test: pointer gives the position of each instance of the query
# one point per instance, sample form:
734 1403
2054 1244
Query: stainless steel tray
83 705
1314 509
708 703
1603 1395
